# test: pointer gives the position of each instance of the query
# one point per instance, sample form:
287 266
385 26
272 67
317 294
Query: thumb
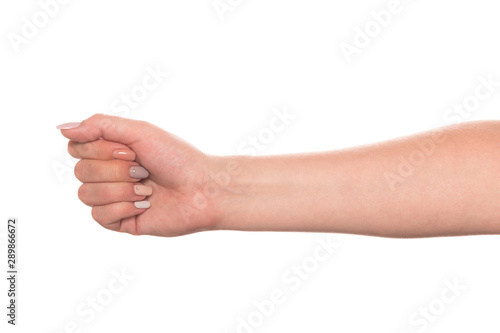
111 128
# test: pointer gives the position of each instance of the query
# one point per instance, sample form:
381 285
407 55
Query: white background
225 78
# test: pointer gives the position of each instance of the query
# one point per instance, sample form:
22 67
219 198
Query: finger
109 216
100 171
98 194
129 225
111 128
100 150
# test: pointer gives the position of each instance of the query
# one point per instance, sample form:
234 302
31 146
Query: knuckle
97 116
72 150
105 122
79 166
85 148
91 133
100 215
83 193
95 214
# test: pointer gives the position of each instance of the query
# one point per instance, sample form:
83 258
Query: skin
437 183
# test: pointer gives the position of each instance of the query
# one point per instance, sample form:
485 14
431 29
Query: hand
177 173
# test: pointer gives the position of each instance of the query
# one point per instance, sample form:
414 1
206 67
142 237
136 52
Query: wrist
226 189
274 193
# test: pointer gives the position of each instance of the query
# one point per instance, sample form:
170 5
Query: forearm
448 187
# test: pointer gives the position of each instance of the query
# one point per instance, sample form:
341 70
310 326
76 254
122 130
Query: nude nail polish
142 204
68 125
138 172
143 190
124 154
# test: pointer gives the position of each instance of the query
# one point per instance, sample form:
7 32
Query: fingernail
143 190
142 204
138 172
124 154
68 125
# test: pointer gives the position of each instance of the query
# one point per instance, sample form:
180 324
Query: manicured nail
142 204
68 125
138 172
124 154
143 190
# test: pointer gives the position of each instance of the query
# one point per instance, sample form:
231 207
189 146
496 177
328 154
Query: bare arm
438 183
442 182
